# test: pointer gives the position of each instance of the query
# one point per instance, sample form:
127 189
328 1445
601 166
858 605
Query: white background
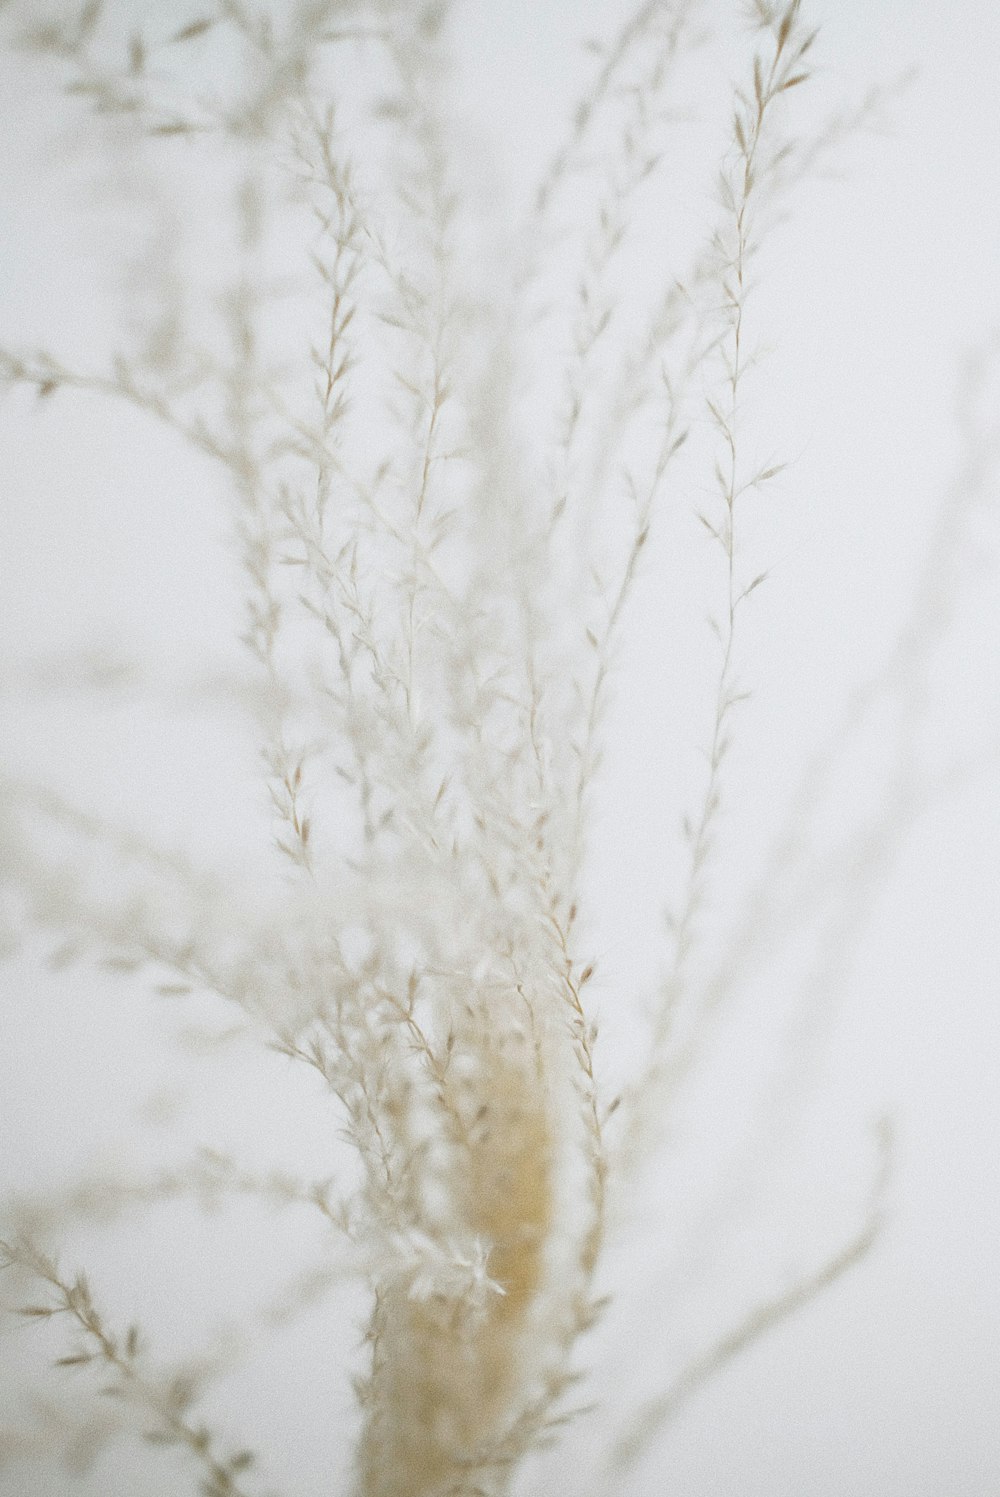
872 295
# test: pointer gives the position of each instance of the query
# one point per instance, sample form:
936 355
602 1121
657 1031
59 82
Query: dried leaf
752 587
88 19
771 472
193 29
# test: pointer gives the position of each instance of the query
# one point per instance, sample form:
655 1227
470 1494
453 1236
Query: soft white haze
876 320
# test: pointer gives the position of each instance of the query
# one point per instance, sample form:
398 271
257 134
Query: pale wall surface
871 297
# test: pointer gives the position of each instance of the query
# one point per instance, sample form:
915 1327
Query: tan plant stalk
446 468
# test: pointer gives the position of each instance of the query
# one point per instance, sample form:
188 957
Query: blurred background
875 318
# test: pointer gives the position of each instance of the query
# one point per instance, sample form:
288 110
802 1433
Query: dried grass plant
445 445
